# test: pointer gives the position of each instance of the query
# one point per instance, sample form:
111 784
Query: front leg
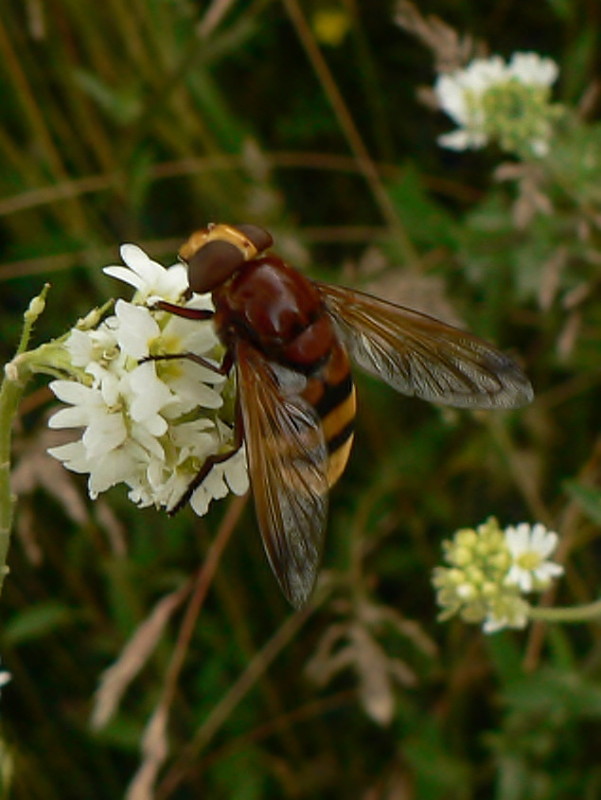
221 369
197 314
182 311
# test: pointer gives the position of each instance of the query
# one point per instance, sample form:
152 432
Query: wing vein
419 355
288 466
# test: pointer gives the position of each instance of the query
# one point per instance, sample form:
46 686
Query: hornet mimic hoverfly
289 340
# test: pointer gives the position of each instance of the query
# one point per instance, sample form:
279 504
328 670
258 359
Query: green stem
571 614
12 388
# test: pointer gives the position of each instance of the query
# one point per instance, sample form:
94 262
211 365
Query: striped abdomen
331 392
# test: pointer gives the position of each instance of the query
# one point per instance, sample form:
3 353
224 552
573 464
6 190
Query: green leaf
564 694
428 223
37 621
122 104
589 498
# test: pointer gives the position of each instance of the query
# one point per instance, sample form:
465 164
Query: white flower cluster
149 424
489 570
506 103
5 677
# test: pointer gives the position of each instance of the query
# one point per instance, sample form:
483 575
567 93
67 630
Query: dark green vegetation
141 121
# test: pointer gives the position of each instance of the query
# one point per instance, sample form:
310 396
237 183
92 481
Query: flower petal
72 392
137 328
73 417
105 432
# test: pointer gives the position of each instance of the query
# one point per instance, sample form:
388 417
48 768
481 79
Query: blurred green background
141 121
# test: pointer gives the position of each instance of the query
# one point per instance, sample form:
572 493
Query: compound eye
258 236
213 264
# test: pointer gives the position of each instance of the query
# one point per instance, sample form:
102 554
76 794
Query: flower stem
567 614
12 388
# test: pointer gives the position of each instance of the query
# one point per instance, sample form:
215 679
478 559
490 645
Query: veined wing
288 467
419 355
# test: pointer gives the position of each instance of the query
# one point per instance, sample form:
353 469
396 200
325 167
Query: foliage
142 121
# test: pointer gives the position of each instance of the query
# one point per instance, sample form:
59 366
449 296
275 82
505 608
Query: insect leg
190 313
181 311
221 369
211 461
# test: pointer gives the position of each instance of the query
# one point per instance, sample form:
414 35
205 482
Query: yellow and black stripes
332 394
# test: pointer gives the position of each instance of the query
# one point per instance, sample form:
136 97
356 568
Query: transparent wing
418 355
288 465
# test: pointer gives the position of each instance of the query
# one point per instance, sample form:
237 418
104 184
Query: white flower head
530 548
5 677
489 569
506 103
149 422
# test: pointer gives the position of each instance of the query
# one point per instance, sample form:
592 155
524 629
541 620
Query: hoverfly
289 340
